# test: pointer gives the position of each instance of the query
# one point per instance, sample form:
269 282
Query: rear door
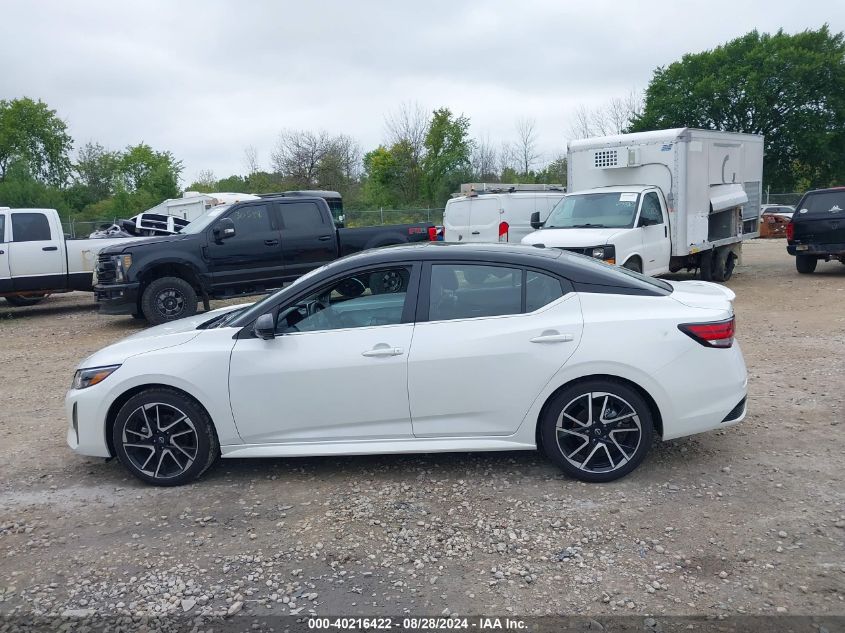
309 238
36 259
819 218
517 215
485 214
456 220
487 340
5 273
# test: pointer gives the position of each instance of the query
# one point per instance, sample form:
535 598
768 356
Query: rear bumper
817 250
117 298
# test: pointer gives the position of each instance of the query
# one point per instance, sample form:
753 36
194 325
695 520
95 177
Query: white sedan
420 349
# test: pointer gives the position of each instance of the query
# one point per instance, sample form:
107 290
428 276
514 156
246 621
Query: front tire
597 430
634 264
805 264
21 302
164 437
167 299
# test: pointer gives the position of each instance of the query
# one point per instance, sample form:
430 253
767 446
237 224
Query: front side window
360 300
650 214
30 227
594 210
251 219
465 291
301 217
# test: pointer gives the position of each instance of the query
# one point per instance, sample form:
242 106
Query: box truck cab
497 214
660 201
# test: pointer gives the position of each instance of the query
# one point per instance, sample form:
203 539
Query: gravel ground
750 520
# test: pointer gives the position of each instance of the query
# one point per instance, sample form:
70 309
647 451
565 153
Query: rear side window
251 219
541 290
822 204
2 228
301 217
466 291
30 227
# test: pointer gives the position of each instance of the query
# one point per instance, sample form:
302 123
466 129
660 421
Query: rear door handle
325 238
550 336
271 242
476 232
379 351
50 248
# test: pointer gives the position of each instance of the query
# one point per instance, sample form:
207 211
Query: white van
497 215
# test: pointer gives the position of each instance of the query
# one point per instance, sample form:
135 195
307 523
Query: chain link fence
374 217
781 198
80 229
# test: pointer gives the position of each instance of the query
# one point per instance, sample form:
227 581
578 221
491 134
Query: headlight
605 253
598 253
121 265
88 377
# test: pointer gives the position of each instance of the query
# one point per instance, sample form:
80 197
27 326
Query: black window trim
43 216
424 292
292 201
408 310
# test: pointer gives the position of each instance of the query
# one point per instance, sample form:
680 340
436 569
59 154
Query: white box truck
496 212
661 201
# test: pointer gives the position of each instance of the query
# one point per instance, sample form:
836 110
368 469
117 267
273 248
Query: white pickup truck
659 202
36 260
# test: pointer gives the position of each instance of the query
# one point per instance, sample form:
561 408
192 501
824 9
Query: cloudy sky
205 79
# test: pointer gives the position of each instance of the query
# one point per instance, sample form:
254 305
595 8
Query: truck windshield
594 211
202 222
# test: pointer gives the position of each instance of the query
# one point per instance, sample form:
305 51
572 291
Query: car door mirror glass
224 229
265 326
535 220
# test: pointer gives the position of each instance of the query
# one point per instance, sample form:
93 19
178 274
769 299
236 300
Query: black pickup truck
245 248
817 229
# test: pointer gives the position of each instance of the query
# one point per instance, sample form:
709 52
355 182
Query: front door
250 259
337 369
36 256
654 231
484 354
309 239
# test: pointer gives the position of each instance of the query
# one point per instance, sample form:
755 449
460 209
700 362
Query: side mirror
535 221
224 228
265 326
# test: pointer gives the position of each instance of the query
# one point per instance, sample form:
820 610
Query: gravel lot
749 520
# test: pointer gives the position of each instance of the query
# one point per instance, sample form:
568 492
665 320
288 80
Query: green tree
448 150
95 170
143 169
32 133
791 88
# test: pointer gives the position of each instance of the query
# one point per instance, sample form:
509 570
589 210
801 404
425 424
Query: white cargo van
497 213
658 202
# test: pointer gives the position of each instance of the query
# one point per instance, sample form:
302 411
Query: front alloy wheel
597 431
164 438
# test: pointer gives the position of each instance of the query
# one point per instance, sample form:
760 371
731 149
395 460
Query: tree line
789 87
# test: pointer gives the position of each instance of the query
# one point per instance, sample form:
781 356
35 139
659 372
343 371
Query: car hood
702 294
574 238
155 338
125 243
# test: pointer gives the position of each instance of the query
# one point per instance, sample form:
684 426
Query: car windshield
614 210
202 222
823 203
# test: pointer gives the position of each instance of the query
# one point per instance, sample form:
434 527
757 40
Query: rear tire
164 437
724 264
805 264
597 430
21 302
167 299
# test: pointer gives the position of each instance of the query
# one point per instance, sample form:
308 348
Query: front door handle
665 231
383 350
325 238
271 242
551 336
50 248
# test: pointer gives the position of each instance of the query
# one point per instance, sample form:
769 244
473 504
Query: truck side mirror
224 229
265 326
535 221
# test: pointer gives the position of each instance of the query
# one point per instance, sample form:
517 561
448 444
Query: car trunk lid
703 294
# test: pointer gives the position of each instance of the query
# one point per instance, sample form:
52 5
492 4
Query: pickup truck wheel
20 302
388 281
168 299
597 430
724 264
164 437
805 264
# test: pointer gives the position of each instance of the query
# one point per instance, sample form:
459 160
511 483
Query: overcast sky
206 79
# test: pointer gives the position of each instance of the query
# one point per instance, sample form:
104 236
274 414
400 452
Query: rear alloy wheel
597 430
21 302
168 299
805 264
164 437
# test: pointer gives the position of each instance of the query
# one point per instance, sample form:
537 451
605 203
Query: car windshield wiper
589 226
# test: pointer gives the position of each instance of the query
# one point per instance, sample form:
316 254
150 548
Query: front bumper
86 414
117 298
836 251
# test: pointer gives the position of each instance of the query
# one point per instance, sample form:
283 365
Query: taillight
714 334
432 234
503 231
790 231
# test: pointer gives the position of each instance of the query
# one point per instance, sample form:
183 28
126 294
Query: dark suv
817 229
